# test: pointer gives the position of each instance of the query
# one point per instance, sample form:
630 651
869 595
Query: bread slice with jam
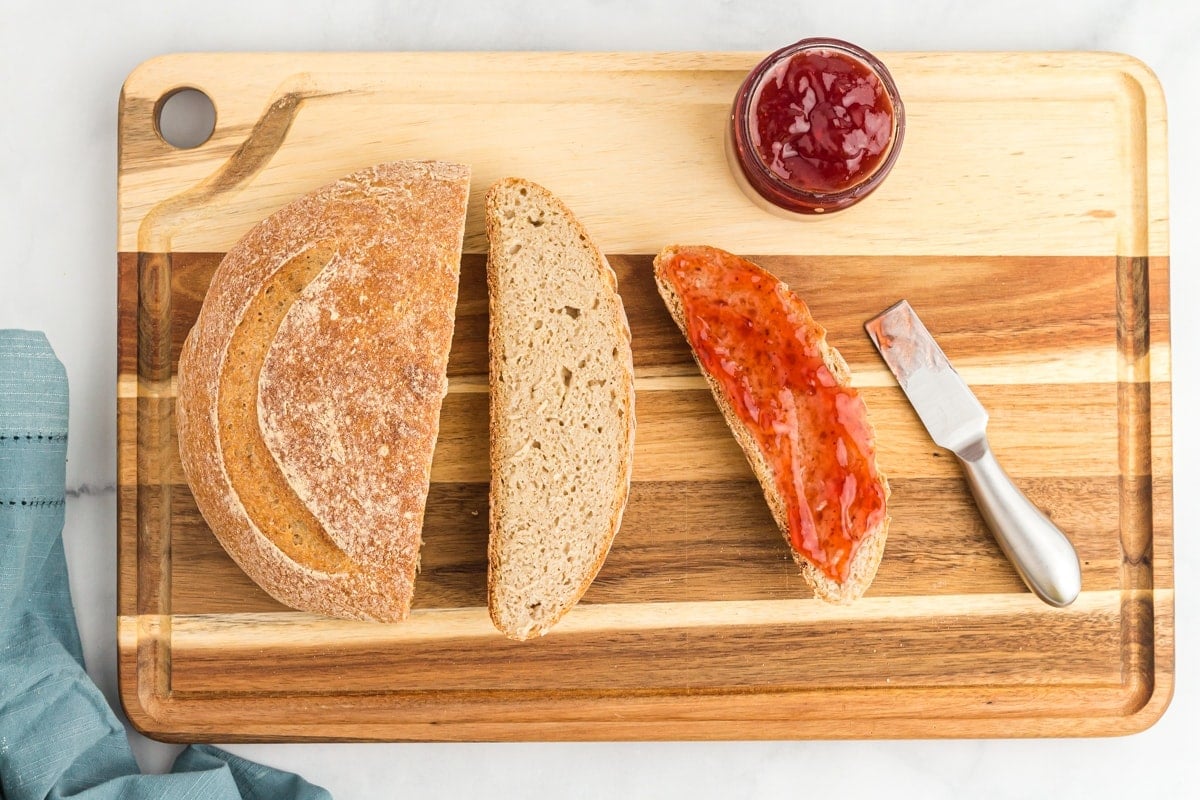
786 395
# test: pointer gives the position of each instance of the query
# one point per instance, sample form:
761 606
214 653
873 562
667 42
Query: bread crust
626 394
870 550
333 317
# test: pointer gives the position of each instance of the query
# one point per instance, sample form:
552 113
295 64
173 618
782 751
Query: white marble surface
61 68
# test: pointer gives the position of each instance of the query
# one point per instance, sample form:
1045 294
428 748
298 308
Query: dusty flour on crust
358 268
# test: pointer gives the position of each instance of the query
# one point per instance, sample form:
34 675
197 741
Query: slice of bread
813 423
562 419
311 385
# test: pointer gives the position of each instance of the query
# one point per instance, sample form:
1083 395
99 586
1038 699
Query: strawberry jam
816 126
758 342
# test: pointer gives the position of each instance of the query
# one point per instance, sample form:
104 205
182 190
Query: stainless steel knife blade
1042 554
946 405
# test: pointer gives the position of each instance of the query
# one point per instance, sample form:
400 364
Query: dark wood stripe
680 542
154 533
1134 409
264 140
155 359
127 436
877 711
974 305
1136 510
970 650
1133 311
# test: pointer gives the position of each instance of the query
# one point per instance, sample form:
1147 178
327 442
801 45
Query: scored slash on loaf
562 416
311 384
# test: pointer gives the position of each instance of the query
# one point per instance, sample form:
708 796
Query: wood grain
1038 260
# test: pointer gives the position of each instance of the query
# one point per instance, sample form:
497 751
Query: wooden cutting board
1026 221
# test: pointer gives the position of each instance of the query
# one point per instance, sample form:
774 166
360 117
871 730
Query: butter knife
955 419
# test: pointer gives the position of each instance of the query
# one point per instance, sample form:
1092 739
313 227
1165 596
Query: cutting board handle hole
185 118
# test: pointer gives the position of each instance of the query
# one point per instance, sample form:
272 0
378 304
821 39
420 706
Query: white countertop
62 69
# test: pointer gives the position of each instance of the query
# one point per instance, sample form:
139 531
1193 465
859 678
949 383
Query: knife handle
1043 556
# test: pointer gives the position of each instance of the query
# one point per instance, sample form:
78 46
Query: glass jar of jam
815 127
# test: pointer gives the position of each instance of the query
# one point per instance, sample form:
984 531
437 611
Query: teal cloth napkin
58 736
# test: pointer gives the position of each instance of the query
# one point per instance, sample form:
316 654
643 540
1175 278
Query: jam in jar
815 127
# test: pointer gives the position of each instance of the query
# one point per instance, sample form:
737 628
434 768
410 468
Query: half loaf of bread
311 384
786 395
562 419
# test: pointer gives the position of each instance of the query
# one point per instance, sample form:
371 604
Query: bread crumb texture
562 408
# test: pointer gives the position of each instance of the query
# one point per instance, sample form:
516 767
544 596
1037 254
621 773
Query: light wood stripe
682 436
1040 199
1035 369
254 631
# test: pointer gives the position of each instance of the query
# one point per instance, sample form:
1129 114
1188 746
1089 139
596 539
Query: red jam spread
821 121
758 342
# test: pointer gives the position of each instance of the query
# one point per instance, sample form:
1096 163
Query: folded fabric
58 736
